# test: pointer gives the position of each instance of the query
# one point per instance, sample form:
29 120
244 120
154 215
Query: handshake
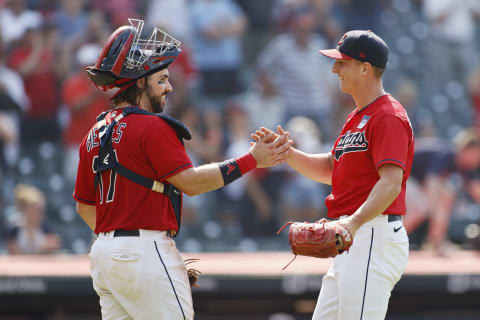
270 148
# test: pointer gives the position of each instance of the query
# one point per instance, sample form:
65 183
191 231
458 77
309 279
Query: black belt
394 217
126 233
134 233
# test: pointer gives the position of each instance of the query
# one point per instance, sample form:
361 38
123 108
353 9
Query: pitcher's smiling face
349 73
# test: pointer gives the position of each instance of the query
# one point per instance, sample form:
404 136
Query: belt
394 217
126 233
135 233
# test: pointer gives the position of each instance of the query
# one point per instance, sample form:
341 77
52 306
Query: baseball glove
321 239
193 274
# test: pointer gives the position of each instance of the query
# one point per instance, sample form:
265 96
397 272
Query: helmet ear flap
100 78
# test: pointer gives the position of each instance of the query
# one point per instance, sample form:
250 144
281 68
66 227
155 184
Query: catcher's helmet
126 57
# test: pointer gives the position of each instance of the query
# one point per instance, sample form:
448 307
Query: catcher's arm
88 214
208 177
384 192
318 167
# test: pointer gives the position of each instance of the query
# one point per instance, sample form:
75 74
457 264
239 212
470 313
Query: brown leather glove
193 274
321 239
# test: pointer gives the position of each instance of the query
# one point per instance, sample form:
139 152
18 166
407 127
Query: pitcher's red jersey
378 134
146 145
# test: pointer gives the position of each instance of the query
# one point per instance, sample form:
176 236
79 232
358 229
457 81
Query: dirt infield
261 263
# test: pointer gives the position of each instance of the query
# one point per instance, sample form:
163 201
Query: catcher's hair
28 194
131 95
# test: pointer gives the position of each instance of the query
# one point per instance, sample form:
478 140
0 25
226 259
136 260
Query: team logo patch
351 142
231 168
363 122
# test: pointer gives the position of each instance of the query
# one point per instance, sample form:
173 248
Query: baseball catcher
133 171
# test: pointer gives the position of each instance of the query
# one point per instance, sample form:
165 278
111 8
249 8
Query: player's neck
366 95
122 104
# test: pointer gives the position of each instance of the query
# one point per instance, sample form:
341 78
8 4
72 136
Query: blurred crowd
245 64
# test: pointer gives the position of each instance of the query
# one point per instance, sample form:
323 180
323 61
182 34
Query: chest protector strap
107 158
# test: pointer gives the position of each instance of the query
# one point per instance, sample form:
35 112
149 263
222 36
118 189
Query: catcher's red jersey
146 145
378 134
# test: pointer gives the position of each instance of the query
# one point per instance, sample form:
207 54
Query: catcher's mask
127 57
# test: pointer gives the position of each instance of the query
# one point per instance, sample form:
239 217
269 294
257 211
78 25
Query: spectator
15 19
217 30
13 101
34 60
261 22
12 90
84 103
173 17
71 20
245 203
328 20
363 14
264 105
182 77
204 147
431 192
118 11
453 38
302 198
407 93
97 32
33 235
473 87
302 76
8 134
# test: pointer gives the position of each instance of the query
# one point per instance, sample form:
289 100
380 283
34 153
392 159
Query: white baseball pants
140 277
358 283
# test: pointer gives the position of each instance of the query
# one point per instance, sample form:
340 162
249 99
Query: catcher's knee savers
321 239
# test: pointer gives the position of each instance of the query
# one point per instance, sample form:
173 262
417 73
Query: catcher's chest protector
107 158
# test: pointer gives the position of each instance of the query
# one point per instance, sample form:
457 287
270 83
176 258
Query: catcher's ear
141 82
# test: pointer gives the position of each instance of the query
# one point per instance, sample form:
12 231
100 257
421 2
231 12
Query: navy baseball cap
363 45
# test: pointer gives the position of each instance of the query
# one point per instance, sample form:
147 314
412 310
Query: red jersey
40 85
146 145
378 134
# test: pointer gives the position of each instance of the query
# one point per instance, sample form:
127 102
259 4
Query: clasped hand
270 148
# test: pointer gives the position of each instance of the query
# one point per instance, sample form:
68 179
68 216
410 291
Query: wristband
246 163
234 168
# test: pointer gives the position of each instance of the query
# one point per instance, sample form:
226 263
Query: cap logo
341 40
362 55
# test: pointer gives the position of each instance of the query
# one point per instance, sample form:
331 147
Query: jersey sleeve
390 141
164 150
84 185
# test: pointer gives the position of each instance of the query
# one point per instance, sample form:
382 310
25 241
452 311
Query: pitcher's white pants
358 284
140 277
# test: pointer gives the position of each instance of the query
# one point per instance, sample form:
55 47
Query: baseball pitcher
367 167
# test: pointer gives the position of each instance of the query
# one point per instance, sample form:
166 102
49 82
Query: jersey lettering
120 128
112 182
351 142
92 139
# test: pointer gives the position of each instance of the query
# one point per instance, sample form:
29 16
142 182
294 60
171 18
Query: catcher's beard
155 102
